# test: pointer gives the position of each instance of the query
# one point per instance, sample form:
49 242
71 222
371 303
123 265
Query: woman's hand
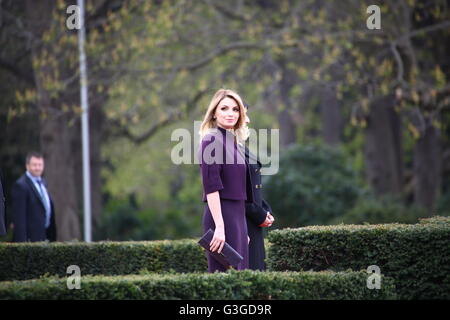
218 240
269 220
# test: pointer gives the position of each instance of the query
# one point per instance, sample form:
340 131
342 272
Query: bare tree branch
169 119
214 54
398 59
423 31
227 12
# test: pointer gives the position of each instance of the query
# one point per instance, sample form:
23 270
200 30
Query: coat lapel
250 156
36 192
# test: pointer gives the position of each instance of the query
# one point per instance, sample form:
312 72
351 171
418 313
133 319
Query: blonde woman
223 171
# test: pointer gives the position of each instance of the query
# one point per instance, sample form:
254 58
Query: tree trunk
287 126
57 133
331 117
427 168
59 160
96 126
383 148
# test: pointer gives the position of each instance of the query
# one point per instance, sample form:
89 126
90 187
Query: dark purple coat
221 166
223 169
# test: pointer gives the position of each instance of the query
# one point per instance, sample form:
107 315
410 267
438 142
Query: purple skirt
233 213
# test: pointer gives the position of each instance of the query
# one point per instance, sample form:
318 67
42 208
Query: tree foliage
153 66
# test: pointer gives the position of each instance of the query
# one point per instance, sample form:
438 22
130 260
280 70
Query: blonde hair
240 129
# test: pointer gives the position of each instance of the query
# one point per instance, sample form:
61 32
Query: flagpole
84 126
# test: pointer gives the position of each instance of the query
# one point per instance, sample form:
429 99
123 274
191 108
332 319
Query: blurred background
363 113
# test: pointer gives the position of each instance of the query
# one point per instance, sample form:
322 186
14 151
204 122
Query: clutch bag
228 257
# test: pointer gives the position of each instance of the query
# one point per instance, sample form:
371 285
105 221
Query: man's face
35 166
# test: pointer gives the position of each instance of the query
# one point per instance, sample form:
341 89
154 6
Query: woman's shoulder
213 135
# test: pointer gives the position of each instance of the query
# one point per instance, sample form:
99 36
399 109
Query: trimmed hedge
231 285
20 261
435 220
416 256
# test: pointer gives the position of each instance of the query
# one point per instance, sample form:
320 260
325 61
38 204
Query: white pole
84 126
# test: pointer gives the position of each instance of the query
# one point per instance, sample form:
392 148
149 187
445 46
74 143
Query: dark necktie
41 191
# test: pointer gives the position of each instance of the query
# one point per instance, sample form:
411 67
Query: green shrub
315 186
416 256
21 261
436 220
383 210
125 220
119 221
443 203
220 286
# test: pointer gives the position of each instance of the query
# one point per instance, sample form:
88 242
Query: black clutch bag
228 257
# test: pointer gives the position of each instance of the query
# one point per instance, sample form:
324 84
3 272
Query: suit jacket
222 166
256 211
2 210
29 213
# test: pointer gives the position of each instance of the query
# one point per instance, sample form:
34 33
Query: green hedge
436 220
416 256
219 286
20 261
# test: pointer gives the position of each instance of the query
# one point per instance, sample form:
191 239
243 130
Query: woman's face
227 113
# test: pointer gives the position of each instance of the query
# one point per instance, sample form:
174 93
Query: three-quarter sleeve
211 167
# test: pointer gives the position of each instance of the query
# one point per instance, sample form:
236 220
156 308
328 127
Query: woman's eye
236 109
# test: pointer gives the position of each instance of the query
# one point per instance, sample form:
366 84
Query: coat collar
33 187
251 156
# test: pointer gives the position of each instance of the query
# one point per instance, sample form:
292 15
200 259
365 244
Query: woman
223 172
257 210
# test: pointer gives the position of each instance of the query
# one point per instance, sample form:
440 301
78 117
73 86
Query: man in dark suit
2 209
33 210
257 211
